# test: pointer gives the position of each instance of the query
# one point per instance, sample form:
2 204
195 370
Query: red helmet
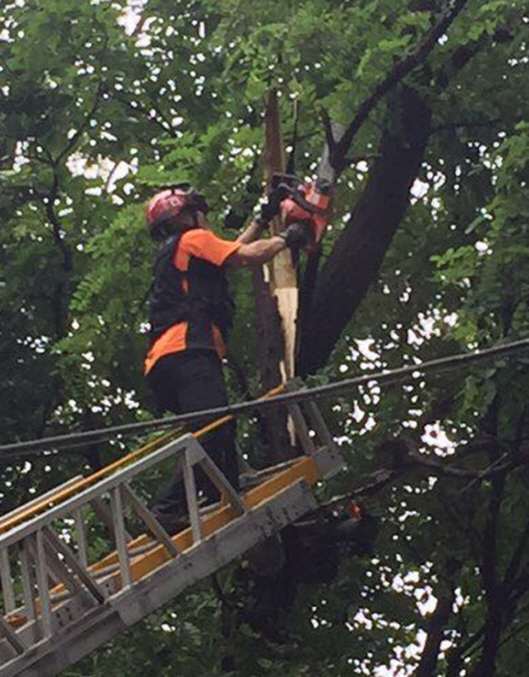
166 206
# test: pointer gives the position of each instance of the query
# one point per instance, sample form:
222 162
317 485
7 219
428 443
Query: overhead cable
381 378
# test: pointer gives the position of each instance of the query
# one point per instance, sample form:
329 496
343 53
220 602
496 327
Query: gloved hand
272 206
298 235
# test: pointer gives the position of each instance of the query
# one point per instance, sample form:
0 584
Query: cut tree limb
283 276
276 299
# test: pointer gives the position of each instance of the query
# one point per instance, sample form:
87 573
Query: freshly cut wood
283 277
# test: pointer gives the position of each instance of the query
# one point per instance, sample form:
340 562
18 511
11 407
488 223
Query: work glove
298 235
272 205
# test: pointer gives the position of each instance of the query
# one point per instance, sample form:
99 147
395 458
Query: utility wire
413 372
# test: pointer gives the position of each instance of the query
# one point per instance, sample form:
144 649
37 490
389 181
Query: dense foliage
100 102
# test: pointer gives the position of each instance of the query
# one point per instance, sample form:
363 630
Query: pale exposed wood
283 275
287 301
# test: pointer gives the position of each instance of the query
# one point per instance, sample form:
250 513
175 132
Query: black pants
190 381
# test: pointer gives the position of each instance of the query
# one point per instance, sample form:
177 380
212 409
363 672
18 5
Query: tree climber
190 312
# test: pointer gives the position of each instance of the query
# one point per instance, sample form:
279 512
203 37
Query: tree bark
356 258
270 354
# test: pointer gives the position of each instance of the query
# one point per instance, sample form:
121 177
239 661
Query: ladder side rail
28 587
191 495
301 430
99 574
28 580
104 486
266 518
80 535
8 591
48 495
317 422
120 537
44 540
199 456
39 556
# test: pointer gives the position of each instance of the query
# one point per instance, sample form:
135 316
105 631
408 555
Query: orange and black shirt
190 307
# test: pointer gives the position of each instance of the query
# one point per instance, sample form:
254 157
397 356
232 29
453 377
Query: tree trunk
357 256
486 666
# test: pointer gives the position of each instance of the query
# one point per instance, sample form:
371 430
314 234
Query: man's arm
269 209
256 253
252 233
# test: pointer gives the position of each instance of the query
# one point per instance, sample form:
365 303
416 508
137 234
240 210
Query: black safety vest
206 302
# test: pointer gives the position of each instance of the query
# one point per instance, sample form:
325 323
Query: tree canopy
101 102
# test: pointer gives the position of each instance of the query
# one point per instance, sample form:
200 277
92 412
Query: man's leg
163 381
190 381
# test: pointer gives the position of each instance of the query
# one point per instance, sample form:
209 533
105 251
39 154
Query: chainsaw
307 203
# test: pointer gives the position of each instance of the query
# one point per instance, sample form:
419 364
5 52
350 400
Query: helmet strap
168 227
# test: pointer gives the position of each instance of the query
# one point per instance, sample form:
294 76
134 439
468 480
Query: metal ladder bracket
307 417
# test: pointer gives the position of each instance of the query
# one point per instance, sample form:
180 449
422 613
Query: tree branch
464 53
513 567
58 299
139 26
466 125
82 127
456 655
485 667
48 202
435 633
396 75
327 126
161 114
141 109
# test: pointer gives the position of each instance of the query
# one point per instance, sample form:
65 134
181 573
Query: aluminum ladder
59 606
